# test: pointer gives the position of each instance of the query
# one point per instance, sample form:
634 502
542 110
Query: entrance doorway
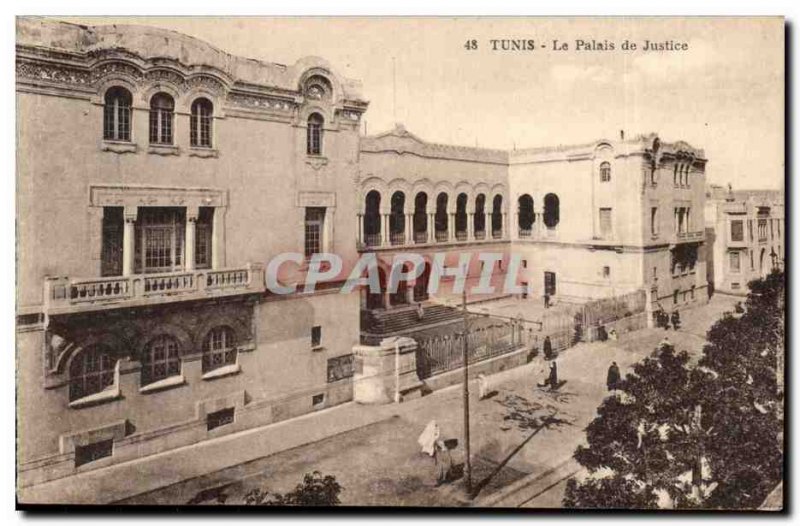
550 283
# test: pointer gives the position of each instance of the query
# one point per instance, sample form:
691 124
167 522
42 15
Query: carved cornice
132 196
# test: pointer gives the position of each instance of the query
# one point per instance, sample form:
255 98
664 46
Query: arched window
440 220
605 172
162 108
201 121
219 349
117 115
421 218
551 210
397 218
525 216
372 219
479 221
461 217
497 216
314 134
90 372
161 359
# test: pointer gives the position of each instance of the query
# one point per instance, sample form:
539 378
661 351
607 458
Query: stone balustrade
64 295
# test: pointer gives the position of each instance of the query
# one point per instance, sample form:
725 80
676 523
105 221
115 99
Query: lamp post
465 352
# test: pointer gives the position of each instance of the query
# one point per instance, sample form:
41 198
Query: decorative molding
203 153
326 199
54 73
118 147
132 196
316 162
163 149
259 102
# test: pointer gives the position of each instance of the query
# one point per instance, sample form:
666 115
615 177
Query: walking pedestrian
676 319
665 343
443 462
428 438
613 376
547 301
548 348
420 312
553 376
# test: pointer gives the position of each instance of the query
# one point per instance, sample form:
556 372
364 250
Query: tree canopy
694 436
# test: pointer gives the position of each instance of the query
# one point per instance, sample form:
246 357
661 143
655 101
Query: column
451 227
128 233
96 238
515 230
218 238
385 242
409 229
431 228
471 226
191 229
360 233
327 229
504 231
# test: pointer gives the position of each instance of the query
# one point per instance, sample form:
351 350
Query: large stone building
744 236
158 176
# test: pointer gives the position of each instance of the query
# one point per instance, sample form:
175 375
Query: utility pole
467 456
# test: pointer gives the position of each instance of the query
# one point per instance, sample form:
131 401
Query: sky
724 94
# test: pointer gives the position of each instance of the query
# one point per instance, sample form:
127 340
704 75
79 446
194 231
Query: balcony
441 236
65 295
373 240
497 234
461 235
525 232
690 237
420 238
397 238
480 235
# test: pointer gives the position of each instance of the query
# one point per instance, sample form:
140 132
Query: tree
706 436
632 456
315 490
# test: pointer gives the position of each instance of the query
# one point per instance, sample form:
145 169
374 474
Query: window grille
117 115
605 172
160 239
92 371
314 135
160 360
314 222
162 108
219 349
94 451
201 122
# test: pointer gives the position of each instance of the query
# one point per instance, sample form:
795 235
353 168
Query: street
380 464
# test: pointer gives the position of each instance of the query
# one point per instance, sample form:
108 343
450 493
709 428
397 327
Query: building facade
611 217
157 178
745 233
157 175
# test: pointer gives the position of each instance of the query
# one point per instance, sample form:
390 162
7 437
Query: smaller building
745 236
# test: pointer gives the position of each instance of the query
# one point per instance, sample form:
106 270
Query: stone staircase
379 324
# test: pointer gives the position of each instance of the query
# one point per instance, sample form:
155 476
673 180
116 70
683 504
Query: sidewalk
372 450
380 464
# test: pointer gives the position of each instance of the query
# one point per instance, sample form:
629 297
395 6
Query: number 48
471 45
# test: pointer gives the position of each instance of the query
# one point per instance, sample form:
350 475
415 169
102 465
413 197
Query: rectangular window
605 222
219 418
550 283
675 296
752 263
762 229
606 271
316 336
111 252
203 237
317 399
159 240
92 452
314 223
654 220
524 263
735 264
737 230
340 367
